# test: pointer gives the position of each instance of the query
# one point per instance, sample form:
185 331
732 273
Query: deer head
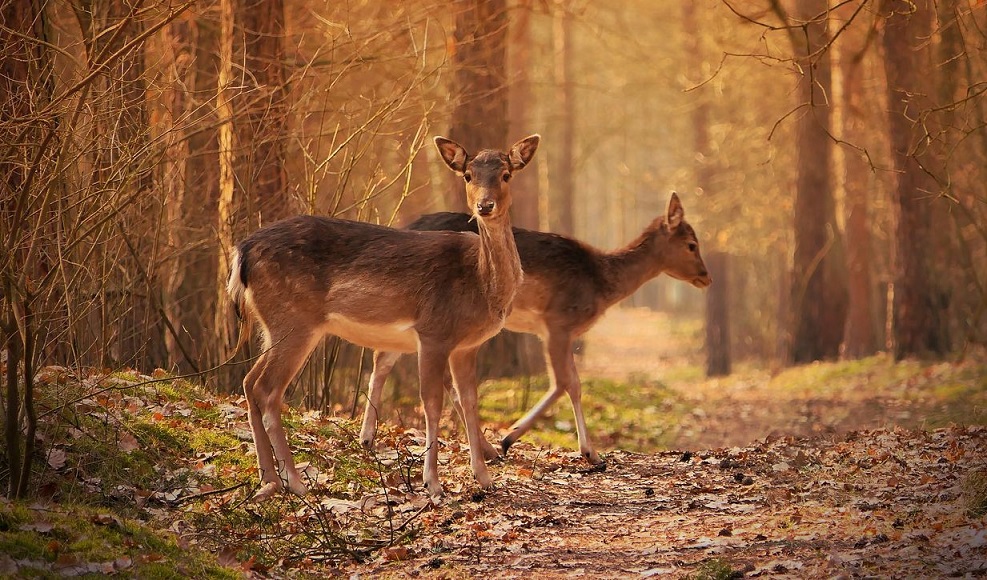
487 175
682 258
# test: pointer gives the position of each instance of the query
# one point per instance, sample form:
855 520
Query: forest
829 155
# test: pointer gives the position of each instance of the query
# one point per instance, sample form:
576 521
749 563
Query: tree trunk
262 114
178 44
198 262
919 309
819 296
718 316
717 297
479 118
480 121
524 185
860 334
225 219
561 194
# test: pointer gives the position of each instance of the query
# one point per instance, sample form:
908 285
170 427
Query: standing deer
440 294
567 287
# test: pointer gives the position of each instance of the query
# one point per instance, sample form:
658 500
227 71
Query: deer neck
628 268
498 264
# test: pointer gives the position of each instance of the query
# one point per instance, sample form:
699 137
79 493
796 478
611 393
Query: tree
860 336
479 116
525 185
561 195
819 299
20 61
717 297
919 309
480 121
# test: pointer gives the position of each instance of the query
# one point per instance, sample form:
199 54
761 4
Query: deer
439 294
567 287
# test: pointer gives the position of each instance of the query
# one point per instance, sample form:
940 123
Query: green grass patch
636 415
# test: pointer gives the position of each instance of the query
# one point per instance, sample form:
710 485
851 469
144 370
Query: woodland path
762 483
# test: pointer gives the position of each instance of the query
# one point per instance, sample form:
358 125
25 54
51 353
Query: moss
80 534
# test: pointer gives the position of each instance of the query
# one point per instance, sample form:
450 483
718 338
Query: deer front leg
490 452
431 366
383 363
463 365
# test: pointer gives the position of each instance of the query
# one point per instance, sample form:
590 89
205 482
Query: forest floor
869 469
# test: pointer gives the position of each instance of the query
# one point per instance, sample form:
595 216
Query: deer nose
485 207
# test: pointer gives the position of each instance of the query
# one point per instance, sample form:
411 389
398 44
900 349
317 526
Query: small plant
715 569
975 493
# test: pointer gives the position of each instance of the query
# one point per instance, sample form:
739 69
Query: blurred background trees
830 155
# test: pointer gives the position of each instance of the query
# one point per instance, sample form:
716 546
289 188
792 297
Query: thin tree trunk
177 38
717 297
561 178
225 218
524 186
12 432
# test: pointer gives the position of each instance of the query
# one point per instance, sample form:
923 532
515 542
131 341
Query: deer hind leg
383 363
431 366
264 388
557 376
463 365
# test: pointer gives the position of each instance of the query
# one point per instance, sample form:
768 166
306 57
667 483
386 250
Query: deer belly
527 321
399 336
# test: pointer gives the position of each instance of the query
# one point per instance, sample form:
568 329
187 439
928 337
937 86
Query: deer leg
266 394
383 363
463 364
490 452
557 375
270 482
431 366
574 388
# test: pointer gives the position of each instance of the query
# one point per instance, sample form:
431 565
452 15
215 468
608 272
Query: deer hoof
266 491
507 442
592 457
491 453
298 488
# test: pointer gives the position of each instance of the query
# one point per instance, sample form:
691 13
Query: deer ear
522 151
674 213
452 153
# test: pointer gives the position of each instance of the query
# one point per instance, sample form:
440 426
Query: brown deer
440 294
567 287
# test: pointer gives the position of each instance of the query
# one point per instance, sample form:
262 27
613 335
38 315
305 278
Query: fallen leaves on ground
878 503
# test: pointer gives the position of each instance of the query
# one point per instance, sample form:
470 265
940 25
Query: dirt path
751 404
770 478
878 504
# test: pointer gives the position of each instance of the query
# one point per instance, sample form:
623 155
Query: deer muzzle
485 207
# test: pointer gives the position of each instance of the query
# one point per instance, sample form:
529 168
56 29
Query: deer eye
467 177
693 246
507 177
